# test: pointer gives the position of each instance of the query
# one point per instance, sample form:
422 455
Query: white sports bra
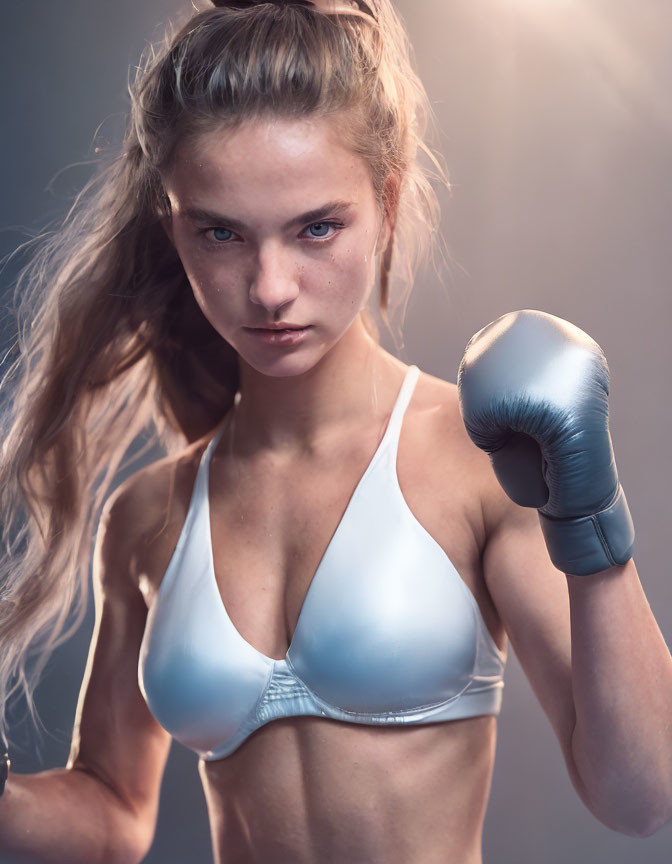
389 633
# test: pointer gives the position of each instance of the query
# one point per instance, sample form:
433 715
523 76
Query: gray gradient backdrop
556 123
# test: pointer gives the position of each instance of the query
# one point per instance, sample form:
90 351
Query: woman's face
276 223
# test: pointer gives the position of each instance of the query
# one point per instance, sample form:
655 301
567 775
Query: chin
285 365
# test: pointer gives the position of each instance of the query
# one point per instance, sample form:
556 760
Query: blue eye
324 225
216 238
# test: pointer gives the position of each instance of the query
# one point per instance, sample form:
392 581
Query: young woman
313 590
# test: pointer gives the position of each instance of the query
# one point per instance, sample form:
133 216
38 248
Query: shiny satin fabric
388 633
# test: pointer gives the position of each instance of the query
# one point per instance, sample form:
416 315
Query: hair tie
327 7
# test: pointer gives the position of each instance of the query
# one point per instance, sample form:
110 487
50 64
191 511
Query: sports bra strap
391 436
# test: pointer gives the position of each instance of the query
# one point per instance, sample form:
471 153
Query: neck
290 415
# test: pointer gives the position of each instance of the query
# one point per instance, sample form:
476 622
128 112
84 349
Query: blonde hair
111 343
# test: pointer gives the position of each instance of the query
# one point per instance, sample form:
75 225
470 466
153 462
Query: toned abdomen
307 790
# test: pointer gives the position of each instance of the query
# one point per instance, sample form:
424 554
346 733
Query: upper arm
115 736
532 600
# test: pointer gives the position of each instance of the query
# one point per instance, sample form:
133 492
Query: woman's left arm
597 662
533 394
622 686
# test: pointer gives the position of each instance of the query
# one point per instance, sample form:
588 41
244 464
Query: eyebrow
332 208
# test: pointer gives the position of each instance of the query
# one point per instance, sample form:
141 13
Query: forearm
622 687
63 816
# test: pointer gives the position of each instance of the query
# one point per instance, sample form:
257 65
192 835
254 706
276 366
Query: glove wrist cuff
589 544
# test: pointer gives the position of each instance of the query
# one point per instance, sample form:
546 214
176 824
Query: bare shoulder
457 462
449 426
147 510
434 402
437 399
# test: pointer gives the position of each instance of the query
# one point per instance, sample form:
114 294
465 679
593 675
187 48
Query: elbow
644 824
644 819
652 827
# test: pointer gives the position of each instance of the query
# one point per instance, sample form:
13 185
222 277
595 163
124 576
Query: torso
308 789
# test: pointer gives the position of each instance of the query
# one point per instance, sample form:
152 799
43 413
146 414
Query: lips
279 336
280 327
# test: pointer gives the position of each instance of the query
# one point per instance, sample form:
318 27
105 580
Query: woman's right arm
66 815
103 806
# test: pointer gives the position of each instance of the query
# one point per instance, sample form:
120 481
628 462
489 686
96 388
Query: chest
270 525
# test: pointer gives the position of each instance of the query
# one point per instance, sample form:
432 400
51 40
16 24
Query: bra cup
387 624
196 652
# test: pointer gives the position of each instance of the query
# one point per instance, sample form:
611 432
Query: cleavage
269 531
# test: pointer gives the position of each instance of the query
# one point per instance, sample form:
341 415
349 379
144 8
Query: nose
274 284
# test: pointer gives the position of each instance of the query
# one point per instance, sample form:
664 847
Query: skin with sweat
309 418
